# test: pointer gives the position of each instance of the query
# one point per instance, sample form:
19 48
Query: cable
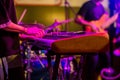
108 71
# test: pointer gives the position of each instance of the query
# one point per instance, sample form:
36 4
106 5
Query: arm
80 20
10 26
31 31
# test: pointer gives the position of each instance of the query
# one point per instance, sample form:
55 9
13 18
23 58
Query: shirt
91 11
9 41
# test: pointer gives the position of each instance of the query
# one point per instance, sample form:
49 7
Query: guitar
103 22
47 30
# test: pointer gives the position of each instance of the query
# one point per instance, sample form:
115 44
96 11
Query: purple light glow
117 52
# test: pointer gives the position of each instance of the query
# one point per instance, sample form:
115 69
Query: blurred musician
90 15
9 41
93 16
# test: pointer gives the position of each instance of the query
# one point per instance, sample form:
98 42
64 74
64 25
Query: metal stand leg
55 67
29 70
80 68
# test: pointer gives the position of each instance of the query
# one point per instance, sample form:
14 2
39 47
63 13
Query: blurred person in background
90 15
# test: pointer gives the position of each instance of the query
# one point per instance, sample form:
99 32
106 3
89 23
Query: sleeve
4 19
83 10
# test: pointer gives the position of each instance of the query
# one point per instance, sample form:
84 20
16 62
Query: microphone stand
67 6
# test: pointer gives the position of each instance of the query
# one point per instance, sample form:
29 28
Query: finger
40 34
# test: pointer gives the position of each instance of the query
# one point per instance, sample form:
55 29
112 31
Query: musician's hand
40 34
32 30
95 28
31 36
35 31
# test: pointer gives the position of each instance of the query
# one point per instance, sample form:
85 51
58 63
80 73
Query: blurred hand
35 31
95 28
40 34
